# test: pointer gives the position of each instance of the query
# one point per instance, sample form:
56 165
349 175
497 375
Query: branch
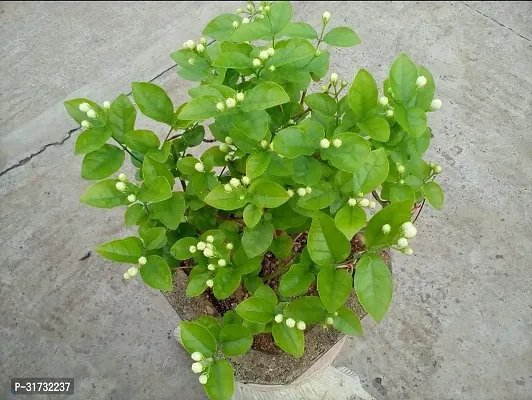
419 212
382 202
303 97
168 134
209 140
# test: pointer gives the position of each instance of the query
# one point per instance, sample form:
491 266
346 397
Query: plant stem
209 140
303 97
127 151
279 270
168 134
419 212
382 202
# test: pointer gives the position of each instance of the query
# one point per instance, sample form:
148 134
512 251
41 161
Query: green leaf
263 96
350 220
186 164
257 164
322 196
299 30
233 60
293 142
171 211
155 190
296 281
279 16
221 27
127 250
282 246
291 340
307 170
376 127
200 108
267 194
134 213
363 94
403 76
92 139
309 309
152 169
104 195
72 108
235 340
280 166
256 309
212 325
402 193
221 383
223 200
334 286
322 103
194 136
180 249
103 162
341 37
413 120
256 240
253 124
295 55
434 194
154 238
351 155
243 263
372 173
142 140
121 117
160 155
231 317
267 293
347 322
153 102
196 337
373 285
326 243
197 284
156 273
394 215
226 281
252 31
252 215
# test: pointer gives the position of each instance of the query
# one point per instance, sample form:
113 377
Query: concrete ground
460 323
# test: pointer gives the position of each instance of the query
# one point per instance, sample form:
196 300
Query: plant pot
270 368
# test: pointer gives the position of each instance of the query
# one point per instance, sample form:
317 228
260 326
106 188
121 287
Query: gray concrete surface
460 323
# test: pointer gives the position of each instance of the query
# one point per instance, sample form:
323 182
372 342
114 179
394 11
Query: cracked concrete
459 327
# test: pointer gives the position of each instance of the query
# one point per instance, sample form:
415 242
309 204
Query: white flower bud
271 146
208 253
261 8
91 114
290 192
263 55
230 102
229 246
401 182
235 24
406 225
201 246
239 11
220 106
197 356
386 228
335 313
352 202
263 144
121 186
203 379
363 202
142 260
421 81
84 107
329 321
222 262
240 97
260 16
324 143
133 271
266 8
122 178
228 187
210 239
211 267
279 318
437 169
337 142
308 189
197 367
191 61
189 44
372 205
271 68
410 232
210 246
228 140
435 104
132 198
228 157
389 113
249 7
245 20
402 243
400 169
106 105
192 249
199 167
256 63
325 89
203 41
200 48
326 16
301 325
431 164
301 192
86 124
360 194
209 283
334 78
408 251
225 148
271 51
317 52
127 277
234 182
290 323
383 101
245 180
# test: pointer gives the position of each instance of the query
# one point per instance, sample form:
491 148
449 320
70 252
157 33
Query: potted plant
276 225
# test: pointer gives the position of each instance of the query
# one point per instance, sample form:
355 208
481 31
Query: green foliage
286 194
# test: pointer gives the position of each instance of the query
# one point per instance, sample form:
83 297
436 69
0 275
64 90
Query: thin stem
301 114
209 140
168 134
279 270
303 97
419 212
127 151
222 171
382 202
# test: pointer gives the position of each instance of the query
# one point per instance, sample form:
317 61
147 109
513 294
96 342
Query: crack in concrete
494 20
68 135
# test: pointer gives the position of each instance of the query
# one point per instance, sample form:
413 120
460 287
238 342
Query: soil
265 363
